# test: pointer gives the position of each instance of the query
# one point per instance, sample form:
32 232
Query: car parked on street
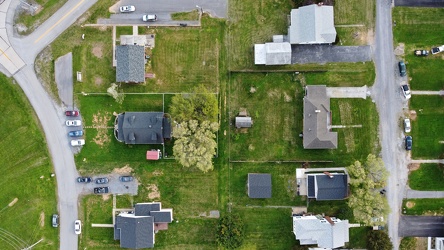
79 142
407 127
406 91
402 68
127 8
102 180
55 220
437 50
421 52
72 113
84 179
76 133
101 190
149 18
78 227
408 142
73 123
126 178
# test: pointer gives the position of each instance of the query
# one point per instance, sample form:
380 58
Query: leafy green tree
378 240
113 91
230 231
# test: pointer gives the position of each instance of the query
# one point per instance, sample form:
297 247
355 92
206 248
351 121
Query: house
142 127
130 63
243 122
259 185
312 24
326 232
327 186
137 229
317 119
276 53
439 243
153 155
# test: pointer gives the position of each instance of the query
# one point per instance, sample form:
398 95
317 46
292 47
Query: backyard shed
153 155
259 185
243 122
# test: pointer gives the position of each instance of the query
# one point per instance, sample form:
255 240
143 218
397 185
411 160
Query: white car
406 91
437 50
407 126
127 8
78 227
73 123
79 142
149 18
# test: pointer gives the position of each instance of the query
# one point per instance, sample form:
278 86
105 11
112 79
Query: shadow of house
130 64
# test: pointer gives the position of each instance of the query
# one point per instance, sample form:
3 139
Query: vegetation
358 237
378 240
114 93
423 207
408 243
230 231
186 16
429 177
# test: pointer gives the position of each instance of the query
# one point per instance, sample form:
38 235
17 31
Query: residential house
130 63
259 185
438 243
327 186
275 53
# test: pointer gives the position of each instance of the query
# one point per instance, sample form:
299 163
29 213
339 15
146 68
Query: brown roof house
317 119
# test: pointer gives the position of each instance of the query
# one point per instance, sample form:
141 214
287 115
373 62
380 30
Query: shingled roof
259 185
327 187
130 63
317 134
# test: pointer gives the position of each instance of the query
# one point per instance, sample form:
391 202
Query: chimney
329 220
329 175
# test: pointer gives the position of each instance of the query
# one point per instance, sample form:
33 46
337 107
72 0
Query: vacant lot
423 207
429 177
28 197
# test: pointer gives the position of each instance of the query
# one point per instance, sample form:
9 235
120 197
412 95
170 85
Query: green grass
423 207
26 170
427 129
334 208
349 75
429 177
358 237
349 12
123 30
186 16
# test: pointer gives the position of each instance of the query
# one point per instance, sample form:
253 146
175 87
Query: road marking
61 19
4 53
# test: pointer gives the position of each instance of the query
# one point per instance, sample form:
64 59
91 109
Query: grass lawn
423 207
421 28
186 16
28 197
358 237
427 129
429 177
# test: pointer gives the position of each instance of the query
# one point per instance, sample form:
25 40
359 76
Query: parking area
324 53
115 185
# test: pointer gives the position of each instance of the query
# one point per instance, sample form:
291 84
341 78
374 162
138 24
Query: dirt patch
106 197
287 98
413 166
153 191
100 123
274 93
98 80
413 115
421 243
251 147
158 173
13 202
42 219
370 37
103 28
125 170
399 50
410 204
97 50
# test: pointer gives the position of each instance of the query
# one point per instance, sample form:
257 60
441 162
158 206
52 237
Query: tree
112 91
378 240
230 231
376 170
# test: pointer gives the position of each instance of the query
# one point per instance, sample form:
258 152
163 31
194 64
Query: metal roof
272 53
243 122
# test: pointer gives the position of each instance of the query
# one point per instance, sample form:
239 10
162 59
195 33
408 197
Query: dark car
422 52
55 220
84 179
101 190
72 113
402 69
126 178
76 133
408 142
103 180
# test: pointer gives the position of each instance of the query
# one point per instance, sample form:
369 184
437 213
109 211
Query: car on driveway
73 123
437 50
102 180
406 91
127 8
149 18
421 52
77 226
79 142
407 126
402 68
72 113
126 178
408 142
76 133
55 220
84 179
101 190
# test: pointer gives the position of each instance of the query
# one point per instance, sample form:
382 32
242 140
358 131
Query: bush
378 240
230 231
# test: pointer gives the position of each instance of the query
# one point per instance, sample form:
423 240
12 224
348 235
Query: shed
244 122
272 53
153 155
259 185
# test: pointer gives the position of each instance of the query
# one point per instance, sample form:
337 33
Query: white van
149 18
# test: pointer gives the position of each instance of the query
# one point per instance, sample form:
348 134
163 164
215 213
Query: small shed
153 155
259 185
244 122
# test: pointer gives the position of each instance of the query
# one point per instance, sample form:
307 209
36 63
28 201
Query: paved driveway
64 81
323 53
421 226
420 3
114 184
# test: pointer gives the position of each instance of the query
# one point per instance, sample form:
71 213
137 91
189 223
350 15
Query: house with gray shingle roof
317 132
130 63
312 24
259 185
331 186
137 229
325 232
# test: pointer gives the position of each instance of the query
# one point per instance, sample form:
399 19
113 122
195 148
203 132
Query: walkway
415 194
347 92
441 161
422 92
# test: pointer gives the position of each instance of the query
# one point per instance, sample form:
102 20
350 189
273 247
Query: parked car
407 127
101 190
76 133
102 180
406 91
126 178
77 226
149 18
79 142
402 68
84 179
421 52
408 142
127 8
72 113
73 123
55 220
437 50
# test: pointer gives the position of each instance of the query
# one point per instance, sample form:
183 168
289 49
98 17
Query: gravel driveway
114 184
324 53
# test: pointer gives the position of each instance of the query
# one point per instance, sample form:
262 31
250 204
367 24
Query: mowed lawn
423 206
421 28
427 127
429 177
28 197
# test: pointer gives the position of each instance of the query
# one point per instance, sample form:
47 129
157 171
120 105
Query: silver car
127 8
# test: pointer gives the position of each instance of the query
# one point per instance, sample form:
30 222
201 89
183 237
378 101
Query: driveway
348 92
324 53
420 3
64 81
421 226
114 184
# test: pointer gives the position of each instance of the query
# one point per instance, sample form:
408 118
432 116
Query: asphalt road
323 53
421 226
420 3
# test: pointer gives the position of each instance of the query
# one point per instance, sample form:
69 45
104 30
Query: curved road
51 116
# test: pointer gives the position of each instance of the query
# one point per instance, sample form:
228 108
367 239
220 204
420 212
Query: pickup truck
421 52
437 50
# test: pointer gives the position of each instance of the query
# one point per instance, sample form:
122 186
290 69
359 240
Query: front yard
429 177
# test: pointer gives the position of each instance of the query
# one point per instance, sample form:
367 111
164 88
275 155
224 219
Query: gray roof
144 209
312 24
259 185
323 187
272 53
142 128
311 230
243 122
317 119
134 231
130 63
162 216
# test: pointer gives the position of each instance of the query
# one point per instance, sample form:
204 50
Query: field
423 207
429 177
28 197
